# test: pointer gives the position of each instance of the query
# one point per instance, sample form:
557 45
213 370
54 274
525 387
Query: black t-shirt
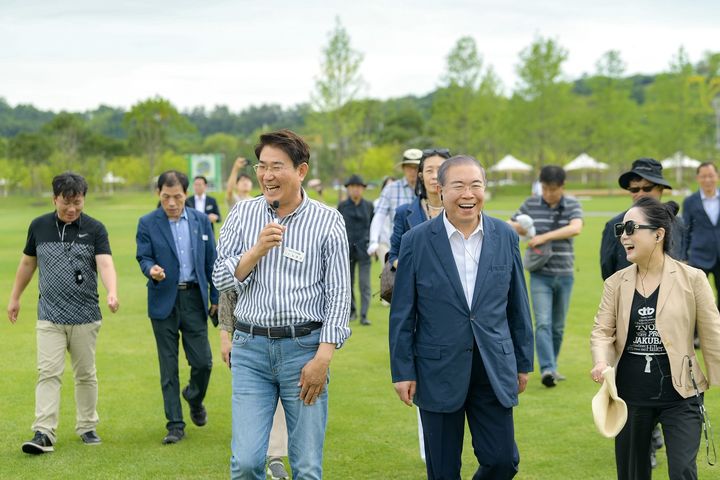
67 269
643 374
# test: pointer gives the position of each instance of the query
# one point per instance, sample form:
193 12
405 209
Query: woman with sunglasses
427 203
644 328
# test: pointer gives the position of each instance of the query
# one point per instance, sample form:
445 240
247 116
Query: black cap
355 180
647 168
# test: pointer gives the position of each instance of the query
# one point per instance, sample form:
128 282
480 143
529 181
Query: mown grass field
370 435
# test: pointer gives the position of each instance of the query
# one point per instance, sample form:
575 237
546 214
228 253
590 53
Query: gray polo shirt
563 258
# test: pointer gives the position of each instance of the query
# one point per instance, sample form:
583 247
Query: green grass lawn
371 435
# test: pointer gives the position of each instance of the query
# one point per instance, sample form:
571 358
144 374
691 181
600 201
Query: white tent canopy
109 179
585 162
680 160
510 164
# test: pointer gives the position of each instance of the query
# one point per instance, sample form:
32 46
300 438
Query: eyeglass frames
646 189
630 226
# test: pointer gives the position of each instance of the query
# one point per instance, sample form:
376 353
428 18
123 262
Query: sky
77 54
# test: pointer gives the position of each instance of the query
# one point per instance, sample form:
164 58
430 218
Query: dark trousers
491 427
715 270
681 423
365 290
188 316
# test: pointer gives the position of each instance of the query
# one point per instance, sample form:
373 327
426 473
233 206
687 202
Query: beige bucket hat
609 410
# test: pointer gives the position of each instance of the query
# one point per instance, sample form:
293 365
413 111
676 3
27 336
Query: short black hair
69 185
289 142
171 178
443 153
706 164
200 177
660 215
552 175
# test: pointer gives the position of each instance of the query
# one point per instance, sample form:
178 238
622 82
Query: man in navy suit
702 229
176 251
461 338
202 202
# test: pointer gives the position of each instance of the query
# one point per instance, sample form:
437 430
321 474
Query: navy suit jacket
211 206
155 245
407 216
432 329
702 238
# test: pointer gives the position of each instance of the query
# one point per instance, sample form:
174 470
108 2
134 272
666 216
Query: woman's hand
597 372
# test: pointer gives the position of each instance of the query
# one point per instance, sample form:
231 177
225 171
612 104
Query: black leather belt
287 331
187 285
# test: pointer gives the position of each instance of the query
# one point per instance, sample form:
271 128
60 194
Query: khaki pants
278 446
52 342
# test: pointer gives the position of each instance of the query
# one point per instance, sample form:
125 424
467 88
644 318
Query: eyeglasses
630 226
646 189
274 169
460 188
441 152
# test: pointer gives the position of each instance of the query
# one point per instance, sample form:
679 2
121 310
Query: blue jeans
550 301
263 370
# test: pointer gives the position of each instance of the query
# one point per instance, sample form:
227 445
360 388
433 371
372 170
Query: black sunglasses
630 226
441 152
646 189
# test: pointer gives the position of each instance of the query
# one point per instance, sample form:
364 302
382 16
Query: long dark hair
660 215
431 152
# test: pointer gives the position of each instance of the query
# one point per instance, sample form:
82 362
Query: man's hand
13 309
522 382
406 391
112 302
270 236
313 378
157 273
213 309
537 240
213 217
372 248
225 346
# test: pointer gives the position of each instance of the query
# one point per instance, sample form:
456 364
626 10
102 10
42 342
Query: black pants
188 316
681 423
365 289
491 427
715 270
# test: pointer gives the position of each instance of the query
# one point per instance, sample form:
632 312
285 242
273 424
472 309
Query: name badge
205 238
293 254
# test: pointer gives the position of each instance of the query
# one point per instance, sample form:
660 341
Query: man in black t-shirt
68 248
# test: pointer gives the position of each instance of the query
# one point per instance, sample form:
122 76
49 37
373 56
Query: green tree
150 124
335 117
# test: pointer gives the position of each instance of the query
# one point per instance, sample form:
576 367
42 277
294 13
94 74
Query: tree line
546 118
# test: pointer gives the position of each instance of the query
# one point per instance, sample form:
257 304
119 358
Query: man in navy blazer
176 251
461 338
202 202
702 229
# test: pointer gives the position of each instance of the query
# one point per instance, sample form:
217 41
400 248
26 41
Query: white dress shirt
200 203
466 253
711 206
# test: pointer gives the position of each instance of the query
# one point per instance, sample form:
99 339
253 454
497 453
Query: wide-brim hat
609 410
647 168
355 180
411 156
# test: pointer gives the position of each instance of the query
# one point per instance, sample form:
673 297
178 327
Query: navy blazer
211 206
407 216
155 245
432 330
702 238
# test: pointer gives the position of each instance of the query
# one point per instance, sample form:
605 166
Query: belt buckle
269 333
182 286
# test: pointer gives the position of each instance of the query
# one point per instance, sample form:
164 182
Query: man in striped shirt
557 219
287 257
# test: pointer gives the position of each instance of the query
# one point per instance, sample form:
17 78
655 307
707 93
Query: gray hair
458 160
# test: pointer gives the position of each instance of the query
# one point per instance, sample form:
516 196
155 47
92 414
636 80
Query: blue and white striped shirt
281 290
396 194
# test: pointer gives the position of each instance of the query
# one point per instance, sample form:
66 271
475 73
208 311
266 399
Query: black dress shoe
174 435
198 413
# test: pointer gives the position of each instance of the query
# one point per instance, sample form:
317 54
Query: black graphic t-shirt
643 374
